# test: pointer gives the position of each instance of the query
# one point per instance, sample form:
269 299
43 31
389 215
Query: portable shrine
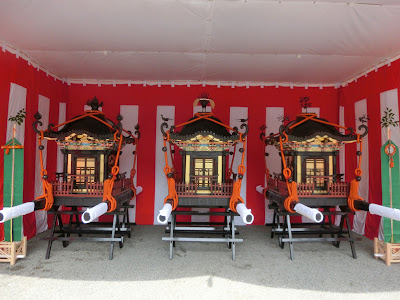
206 179
309 183
91 145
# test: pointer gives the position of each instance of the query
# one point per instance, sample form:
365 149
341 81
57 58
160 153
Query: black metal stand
287 230
227 229
118 228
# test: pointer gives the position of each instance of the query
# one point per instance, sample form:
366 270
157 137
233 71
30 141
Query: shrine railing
77 185
339 188
333 189
215 190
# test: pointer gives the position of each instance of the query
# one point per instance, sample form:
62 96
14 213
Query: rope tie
172 195
230 170
291 186
47 186
236 198
109 183
353 193
133 170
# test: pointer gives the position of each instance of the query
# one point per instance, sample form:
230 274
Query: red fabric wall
36 82
182 97
370 87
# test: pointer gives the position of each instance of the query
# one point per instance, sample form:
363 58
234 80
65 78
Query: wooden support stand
388 252
110 234
11 251
227 229
287 230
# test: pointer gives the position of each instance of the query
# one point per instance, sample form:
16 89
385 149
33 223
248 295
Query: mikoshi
309 184
91 145
207 180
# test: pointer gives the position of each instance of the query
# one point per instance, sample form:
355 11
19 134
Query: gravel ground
142 270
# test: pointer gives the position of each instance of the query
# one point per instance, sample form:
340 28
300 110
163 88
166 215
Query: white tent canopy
308 42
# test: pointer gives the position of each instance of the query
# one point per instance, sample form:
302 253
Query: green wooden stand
390 190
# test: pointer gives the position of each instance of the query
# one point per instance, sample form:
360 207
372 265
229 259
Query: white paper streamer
41 215
139 189
8 213
245 213
260 189
159 177
237 113
312 213
383 211
96 211
164 214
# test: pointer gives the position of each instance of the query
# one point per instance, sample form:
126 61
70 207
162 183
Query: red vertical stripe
17 71
182 97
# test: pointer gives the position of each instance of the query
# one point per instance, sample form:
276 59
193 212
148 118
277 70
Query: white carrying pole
8 213
383 211
245 213
94 212
164 214
311 213
100 209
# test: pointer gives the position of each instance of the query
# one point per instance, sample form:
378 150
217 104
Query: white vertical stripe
87 107
342 151
161 187
360 108
43 109
342 157
198 108
62 108
272 123
130 114
389 99
199 218
314 110
237 113
16 102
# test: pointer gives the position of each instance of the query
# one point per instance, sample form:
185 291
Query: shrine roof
86 125
314 127
310 128
204 127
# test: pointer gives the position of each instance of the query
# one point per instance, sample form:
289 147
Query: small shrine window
315 171
203 172
85 170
